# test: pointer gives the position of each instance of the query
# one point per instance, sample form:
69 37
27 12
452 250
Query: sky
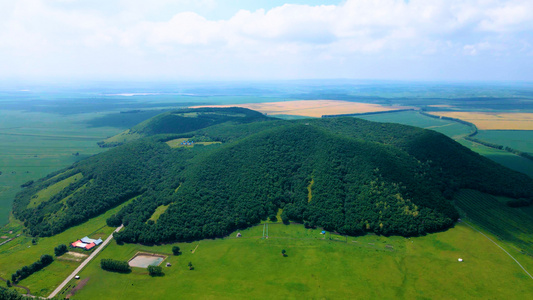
481 40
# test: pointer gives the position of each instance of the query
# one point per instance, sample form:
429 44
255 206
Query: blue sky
239 40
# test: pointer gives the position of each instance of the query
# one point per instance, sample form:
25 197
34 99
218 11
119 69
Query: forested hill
185 120
343 174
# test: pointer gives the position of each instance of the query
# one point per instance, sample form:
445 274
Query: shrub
176 250
155 271
60 250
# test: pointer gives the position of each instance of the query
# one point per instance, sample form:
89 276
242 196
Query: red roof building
75 244
90 246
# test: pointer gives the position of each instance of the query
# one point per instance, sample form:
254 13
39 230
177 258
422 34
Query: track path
500 248
84 263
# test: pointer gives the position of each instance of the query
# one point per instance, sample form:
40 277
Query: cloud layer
394 39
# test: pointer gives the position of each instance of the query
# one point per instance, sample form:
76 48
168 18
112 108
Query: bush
273 218
176 250
155 271
60 250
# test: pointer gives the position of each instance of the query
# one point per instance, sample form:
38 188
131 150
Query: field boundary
500 248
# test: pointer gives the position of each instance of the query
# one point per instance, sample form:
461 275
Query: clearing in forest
44 195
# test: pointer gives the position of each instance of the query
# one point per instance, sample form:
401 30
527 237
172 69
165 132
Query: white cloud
286 36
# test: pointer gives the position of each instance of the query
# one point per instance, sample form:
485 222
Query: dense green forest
343 174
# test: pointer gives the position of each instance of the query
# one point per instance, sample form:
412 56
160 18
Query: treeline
115 265
471 125
26 271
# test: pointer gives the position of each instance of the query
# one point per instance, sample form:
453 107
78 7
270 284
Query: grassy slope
362 267
44 195
157 213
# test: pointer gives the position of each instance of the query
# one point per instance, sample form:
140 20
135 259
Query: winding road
83 264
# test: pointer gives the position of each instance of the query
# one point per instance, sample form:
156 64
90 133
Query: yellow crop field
314 108
493 121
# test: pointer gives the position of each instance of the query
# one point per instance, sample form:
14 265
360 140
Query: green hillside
362 176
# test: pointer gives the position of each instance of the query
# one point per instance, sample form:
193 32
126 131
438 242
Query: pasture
317 266
521 140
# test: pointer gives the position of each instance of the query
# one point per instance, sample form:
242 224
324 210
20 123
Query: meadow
521 140
316 266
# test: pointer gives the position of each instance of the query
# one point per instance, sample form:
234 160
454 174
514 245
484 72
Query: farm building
86 243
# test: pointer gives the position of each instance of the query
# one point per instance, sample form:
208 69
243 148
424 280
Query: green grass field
32 145
450 128
521 140
368 267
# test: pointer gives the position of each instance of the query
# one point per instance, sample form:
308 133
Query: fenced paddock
143 260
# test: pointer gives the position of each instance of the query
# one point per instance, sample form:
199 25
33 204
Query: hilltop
182 121
343 174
